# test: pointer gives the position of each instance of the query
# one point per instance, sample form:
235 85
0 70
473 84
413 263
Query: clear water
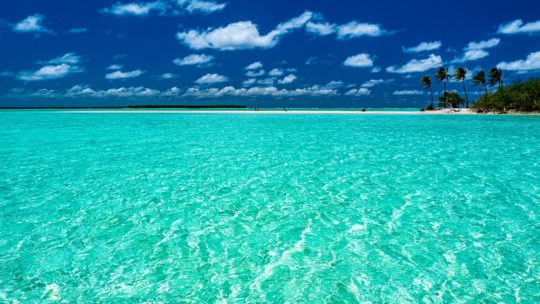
206 208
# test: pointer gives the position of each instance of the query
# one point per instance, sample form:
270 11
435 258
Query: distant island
134 107
519 97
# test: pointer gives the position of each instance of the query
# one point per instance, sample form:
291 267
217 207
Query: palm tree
442 75
460 75
495 77
426 82
480 79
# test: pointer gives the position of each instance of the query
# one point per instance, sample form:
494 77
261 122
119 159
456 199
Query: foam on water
204 208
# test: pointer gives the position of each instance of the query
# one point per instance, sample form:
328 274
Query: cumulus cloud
519 27
32 24
355 29
55 68
407 92
123 75
476 50
417 65
313 91
362 60
288 79
254 66
211 79
423 47
358 92
240 35
79 90
532 62
200 60
255 73
276 72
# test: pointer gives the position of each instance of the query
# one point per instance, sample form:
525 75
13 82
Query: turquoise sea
226 208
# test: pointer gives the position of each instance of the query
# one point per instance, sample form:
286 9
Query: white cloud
376 69
200 60
211 78
276 72
254 66
334 84
372 82
532 62
168 76
249 82
476 50
355 29
240 35
471 55
115 67
136 8
56 68
423 47
32 24
407 92
123 75
200 6
417 65
313 91
288 79
362 60
320 29
481 45
358 92
68 58
48 72
79 90
78 30
255 73
164 7
519 27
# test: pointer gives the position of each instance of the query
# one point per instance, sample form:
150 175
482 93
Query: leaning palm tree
480 79
495 77
442 75
426 82
460 75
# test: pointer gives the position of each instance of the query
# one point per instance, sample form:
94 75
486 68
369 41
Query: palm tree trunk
445 95
485 88
465 90
431 89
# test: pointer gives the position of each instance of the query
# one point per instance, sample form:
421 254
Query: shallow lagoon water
209 208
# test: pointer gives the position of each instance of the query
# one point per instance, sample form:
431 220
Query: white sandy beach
281 112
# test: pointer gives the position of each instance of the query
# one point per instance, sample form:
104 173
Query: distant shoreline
132 107
253 111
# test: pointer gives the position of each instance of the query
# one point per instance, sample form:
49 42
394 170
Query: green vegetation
442 75
480 79
520 96
460 75
426 82
450 99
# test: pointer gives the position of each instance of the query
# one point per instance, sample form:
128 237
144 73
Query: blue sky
266 53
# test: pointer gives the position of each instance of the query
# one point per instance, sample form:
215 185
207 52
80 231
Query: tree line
453 99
